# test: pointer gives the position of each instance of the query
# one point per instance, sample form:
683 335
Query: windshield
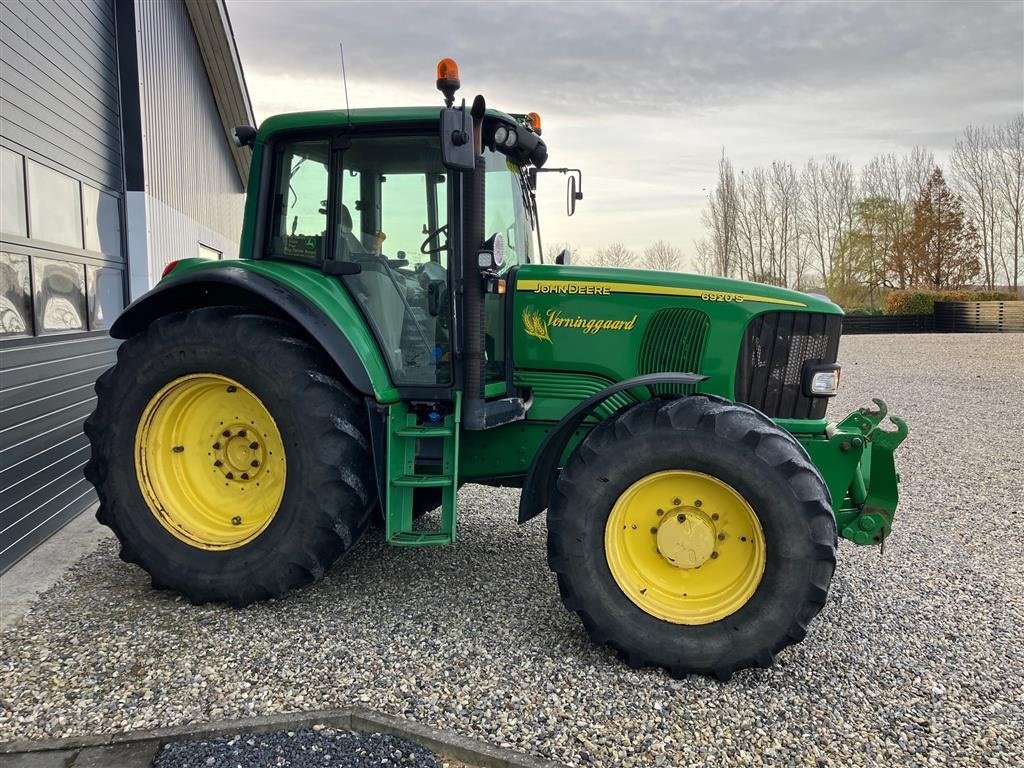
508 211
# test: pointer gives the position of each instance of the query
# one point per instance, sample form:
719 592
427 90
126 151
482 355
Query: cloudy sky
643 97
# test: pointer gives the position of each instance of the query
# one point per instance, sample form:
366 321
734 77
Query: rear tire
325 497
740 448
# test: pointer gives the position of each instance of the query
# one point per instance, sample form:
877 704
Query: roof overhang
212 27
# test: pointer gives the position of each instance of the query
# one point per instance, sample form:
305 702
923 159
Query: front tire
692 534
229 460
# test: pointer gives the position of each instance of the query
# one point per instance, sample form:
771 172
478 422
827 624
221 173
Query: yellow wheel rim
685 547
210 461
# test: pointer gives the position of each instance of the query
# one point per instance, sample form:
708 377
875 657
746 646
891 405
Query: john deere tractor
390 333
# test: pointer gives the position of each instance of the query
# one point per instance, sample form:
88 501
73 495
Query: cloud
643 96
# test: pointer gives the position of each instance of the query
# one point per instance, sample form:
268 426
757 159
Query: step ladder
404 434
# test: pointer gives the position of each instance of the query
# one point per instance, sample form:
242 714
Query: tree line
897 222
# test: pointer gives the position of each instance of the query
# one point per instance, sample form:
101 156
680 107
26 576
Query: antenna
344 81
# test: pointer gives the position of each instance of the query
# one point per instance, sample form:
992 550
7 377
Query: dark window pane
60 295
12 194
15 295
106 296
101 219
54 206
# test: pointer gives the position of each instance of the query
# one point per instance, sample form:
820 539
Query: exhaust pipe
474 416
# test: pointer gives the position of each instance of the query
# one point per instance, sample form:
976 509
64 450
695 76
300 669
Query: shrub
922 302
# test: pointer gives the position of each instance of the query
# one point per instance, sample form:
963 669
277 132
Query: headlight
821 380
511 139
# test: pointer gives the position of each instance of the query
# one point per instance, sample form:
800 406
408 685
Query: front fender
543 472
318 303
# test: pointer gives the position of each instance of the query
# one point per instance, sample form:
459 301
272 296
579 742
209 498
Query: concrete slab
46 564
61 759
138 755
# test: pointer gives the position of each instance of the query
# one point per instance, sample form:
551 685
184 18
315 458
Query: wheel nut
254 445
676 502
254 463
661 512
698 503
236 520
245 475
226 433
178 448
681 518
216 446
721 537
218 463
714 555
714 516
230 475
232 389
654 531
241 433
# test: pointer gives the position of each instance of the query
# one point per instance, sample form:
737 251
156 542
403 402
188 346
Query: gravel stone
316 748
915 660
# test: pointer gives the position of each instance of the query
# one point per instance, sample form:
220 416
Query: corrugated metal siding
58 85
46 394
188 162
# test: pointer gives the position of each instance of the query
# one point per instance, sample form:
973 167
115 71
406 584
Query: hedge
918 302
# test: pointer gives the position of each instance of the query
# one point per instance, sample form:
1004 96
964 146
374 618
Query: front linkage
856 461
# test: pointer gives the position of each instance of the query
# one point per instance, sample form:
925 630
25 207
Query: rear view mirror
572 194
565 257
457 139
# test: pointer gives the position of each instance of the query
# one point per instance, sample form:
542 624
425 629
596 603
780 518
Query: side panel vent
674 341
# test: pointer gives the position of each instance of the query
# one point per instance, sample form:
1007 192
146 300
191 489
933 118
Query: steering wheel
425 247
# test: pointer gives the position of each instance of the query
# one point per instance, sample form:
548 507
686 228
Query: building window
12 194
59 295
105 291
101 220
54 206
206 252
15 296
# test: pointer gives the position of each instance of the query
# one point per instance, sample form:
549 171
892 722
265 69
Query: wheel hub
687 538
239 454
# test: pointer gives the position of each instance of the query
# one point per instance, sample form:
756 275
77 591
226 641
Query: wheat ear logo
535 326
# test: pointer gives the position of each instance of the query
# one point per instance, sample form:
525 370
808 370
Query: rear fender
236 285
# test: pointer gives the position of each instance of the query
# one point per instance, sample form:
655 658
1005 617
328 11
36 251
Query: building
115 158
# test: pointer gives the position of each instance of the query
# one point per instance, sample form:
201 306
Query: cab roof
382 116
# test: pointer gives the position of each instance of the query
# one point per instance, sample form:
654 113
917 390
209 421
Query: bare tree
614 255
973 162
1009 181
719 252
828 209
661 256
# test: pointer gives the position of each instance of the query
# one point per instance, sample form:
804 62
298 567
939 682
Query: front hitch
856 461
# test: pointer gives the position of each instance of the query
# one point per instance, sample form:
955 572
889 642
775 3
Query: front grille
775 348
674 341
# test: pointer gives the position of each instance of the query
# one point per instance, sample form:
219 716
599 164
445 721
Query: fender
540 480
231 285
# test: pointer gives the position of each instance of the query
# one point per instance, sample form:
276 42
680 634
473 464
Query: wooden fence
979 316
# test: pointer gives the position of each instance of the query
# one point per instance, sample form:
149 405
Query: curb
441 741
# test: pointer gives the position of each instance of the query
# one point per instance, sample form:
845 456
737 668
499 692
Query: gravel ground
319 747
916 659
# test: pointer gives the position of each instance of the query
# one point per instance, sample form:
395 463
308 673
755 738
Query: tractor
390 332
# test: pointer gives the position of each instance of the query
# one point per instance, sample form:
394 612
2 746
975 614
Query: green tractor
389 333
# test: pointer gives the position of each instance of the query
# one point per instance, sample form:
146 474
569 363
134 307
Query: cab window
506 212
299 213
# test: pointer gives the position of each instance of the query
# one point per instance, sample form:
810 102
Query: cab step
405 475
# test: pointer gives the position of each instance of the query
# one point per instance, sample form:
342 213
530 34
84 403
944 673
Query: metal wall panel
46 392
189 165
58 86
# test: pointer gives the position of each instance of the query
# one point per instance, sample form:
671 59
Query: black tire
329 489
740 446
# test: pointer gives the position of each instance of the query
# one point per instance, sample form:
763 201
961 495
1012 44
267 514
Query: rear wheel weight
171 486
753 482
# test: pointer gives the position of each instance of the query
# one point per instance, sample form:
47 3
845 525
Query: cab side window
299 214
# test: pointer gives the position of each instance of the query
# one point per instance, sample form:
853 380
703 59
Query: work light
500 134
821 380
